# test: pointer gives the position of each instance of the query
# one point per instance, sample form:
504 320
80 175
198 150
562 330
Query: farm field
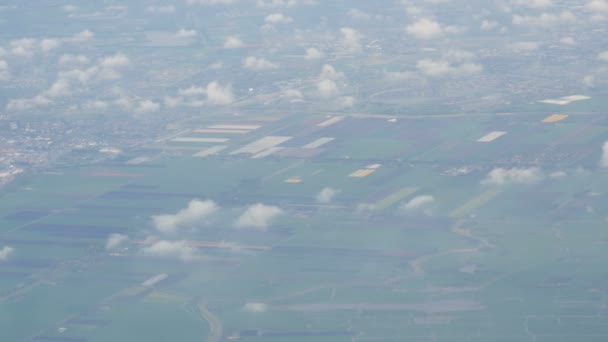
392 237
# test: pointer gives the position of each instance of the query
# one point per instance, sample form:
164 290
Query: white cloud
544 20
313 54
600 6
24 47
558 175
502 176
345 102
255 308
258 216
326 195
351 39
258 64
537 4
4 71
276 3
147 106
425 29
293 94
83 36
161 9
6 252
278 18
27 103
211 2
419 202
233 42
603 56
358 14
70 8
588 81
218 94
96 105
433 68
329 72
525 46
193 91
567 41
115 61
46 45
173 101
399 76
604 158
327 86
60 88
197 212
170 249
68 60
488 25
438 68
184 33
115 240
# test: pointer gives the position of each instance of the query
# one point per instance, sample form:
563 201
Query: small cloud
184 33
233 42
358 14
419 202
536 4
603 56
96 105
258 216
197 212
258 64
293 94
147 106
170 249
211 2
161 9
567 41
6 253
351 39
46 45
278 18
558 175
327 88
488 25
70 61
60 88
276 3
525 46
70 8
438 68
255 308
597 6
15 105
218 94
83 36
115 61
326 195
604 158
544 20
425 29
115 240
193 91
24 47
501 176
313 54
588 81
4 71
